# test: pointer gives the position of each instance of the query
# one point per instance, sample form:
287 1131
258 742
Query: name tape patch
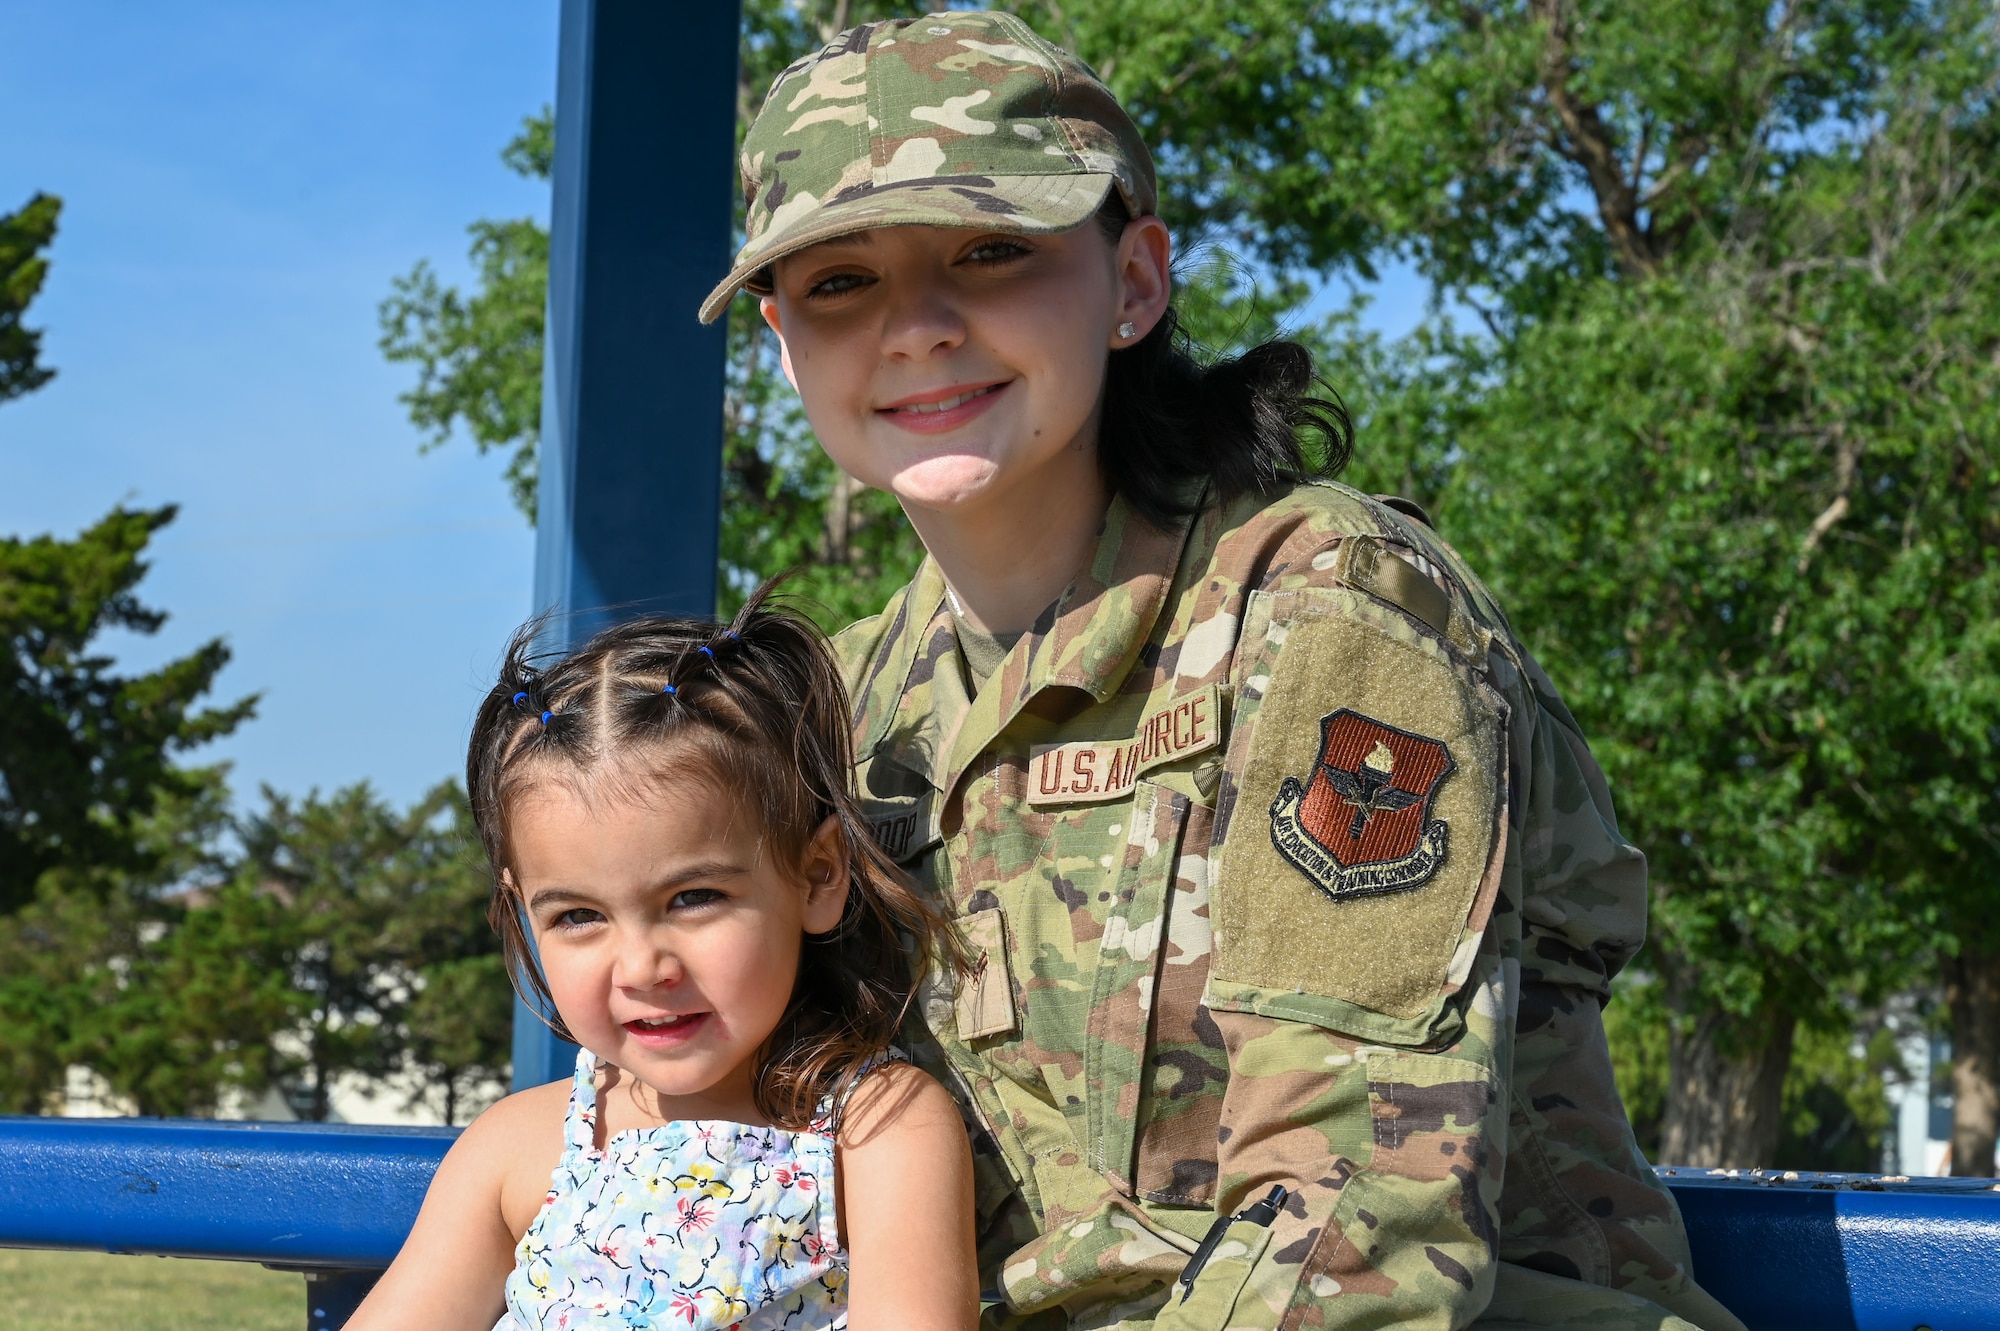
902 827
1083 772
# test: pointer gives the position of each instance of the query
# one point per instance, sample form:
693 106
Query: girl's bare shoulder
518 1143
893 1103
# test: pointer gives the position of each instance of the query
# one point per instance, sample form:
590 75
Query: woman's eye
577 917
839 284
996 251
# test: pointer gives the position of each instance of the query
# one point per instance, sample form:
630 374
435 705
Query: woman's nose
921 321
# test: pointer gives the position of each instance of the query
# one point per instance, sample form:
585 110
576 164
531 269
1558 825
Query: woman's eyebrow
864 240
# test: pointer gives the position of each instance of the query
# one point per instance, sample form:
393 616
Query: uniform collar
1088 639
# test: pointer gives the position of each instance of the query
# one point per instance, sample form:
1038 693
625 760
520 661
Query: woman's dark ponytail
1236 422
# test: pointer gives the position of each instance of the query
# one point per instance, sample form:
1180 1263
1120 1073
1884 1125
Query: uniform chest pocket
1125 982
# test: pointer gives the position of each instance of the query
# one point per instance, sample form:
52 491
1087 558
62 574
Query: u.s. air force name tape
1084 772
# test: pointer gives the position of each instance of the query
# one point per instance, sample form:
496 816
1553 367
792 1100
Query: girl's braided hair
757 710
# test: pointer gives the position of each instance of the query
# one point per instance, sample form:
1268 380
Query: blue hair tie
520 698
545 718
710 655
668 688
732 635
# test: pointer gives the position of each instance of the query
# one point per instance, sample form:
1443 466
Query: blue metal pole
631 451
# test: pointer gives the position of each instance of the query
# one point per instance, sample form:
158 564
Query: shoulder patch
1364 833
1359 824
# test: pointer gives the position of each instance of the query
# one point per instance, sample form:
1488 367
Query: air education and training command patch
1361 826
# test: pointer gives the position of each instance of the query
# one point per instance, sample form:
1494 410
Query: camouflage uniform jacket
1281 862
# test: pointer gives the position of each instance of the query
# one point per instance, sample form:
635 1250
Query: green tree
23 237
1744 507
86 753
178 992
384 938
457 1027
479 357
170 996
98 824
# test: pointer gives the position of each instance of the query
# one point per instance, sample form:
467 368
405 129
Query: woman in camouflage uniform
1286 865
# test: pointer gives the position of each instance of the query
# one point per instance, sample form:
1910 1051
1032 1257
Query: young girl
683 876
1296 890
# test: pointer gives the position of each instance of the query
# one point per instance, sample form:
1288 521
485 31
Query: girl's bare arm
905 1193
452 1270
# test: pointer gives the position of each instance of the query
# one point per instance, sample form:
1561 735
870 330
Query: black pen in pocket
1257 1213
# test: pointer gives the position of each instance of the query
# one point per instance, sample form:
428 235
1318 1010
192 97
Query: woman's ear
826 875
768 307
1145 278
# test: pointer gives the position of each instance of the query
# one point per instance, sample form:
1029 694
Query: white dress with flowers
697 1225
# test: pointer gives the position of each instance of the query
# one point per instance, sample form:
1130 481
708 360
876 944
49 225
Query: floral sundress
696 1225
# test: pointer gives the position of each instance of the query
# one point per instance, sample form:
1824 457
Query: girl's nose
643 962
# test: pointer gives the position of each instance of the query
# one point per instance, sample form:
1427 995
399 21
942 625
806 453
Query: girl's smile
666 1032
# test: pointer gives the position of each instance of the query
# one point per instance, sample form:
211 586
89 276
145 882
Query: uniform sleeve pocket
1211 1302
1364 837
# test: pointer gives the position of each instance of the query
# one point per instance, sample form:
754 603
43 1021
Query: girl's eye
577 917
696 896
838 284
997 251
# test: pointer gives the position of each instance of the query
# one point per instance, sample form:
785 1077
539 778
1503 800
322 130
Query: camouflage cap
948 119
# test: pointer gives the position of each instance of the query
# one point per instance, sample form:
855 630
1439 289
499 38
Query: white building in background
1920 1124
350 1099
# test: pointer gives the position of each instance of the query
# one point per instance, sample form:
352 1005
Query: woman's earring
1127 329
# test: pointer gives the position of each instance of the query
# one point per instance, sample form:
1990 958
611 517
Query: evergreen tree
23 237
86 754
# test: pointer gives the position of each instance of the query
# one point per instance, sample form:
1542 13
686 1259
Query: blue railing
329 1200
1816 1252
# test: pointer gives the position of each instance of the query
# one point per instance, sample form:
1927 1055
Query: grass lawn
93 1291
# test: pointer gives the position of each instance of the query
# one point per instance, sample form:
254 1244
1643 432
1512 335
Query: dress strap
833 1105
580 1123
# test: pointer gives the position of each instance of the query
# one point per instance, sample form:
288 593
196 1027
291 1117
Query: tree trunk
1725 1079
838 530
1972 991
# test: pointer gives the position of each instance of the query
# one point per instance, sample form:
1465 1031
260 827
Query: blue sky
241 181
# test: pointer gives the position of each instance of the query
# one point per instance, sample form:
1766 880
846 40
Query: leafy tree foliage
23 236
383 935
479 357
1744 509
86 753
112 969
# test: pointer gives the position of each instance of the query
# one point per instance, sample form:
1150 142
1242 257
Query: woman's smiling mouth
930 413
